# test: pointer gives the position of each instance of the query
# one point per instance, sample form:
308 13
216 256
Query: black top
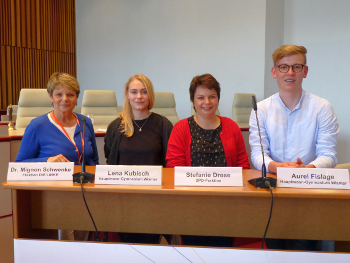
143 147
206 146
114 136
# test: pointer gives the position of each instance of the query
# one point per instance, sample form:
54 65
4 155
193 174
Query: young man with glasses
298 129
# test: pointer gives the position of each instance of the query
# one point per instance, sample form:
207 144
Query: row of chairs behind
103 105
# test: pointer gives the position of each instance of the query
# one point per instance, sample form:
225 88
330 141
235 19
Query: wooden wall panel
37 38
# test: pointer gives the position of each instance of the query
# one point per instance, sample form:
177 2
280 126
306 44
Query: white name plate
128 174
40 171
313 178
208 176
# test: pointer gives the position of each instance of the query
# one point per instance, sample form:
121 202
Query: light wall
172 41
322 26
274 38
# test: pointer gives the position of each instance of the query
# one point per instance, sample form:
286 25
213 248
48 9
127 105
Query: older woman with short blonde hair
57 135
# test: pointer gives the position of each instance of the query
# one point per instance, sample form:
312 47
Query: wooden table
222 211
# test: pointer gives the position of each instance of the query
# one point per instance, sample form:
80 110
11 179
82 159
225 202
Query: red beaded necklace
64 130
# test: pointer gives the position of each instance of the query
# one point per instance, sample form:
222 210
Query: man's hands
298 164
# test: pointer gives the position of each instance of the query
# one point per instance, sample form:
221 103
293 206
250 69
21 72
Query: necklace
140 128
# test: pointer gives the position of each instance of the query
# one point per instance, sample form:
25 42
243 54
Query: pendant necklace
140 128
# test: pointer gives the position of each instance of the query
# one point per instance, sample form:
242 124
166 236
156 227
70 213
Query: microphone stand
263 181
87 177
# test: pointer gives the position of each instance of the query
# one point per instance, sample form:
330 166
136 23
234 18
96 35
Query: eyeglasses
285 68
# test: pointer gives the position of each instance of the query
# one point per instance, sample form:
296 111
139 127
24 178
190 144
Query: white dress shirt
309 132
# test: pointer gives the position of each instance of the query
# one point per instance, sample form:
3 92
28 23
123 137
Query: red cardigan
179 144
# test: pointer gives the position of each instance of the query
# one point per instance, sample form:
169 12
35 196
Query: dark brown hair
206 80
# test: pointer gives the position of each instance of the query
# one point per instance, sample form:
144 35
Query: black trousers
139 238
207 241
291 244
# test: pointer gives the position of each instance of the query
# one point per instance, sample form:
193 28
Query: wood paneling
37 38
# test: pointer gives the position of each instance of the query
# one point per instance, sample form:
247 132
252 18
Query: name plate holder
324 178
208 176
40 171
129 174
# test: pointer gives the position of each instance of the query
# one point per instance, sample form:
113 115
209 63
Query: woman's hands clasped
57 158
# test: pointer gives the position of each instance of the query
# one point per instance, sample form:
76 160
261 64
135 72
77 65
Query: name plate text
313 178
208 176
128 174
40 171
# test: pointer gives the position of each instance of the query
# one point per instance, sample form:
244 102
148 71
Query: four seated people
298 129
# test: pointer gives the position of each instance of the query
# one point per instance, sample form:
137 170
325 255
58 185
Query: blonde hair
287 50
127 115
60 78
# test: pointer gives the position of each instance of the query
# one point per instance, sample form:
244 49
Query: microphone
10 125
87 177
263 181
255 107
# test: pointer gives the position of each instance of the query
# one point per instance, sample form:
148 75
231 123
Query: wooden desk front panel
5 194
322 219
222 211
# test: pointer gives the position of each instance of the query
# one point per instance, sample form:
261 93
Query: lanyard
66 133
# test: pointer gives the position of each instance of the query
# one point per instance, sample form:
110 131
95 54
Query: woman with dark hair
206 139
